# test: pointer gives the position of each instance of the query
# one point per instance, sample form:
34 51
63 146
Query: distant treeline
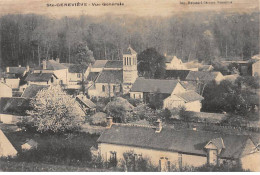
27 39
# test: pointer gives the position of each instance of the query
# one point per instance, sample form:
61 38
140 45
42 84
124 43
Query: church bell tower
129 68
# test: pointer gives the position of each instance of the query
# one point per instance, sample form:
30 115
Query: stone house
56 68
174 63
76 72
167 147
204 76
42 79
174 94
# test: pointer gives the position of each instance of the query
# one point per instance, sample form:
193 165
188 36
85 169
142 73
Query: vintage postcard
129 86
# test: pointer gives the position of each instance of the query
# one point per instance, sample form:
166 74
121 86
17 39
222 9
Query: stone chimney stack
109 122
44 64
58 60
158 126
27 68
7 69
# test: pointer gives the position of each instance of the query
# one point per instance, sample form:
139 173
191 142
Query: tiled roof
189 85
110 76
114 64
175 74
154 85
32 90
218 142
130 51
52 65
205 67
14 105
185 141
39 77
16 70
202 75
99 63
86 101
190 96
92 76
75 68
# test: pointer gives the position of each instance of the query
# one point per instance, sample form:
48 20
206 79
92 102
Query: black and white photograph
129 86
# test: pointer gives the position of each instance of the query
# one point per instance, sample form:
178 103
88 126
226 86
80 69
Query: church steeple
129 67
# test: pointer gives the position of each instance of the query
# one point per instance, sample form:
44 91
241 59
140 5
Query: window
164 164
113 159
114 88
79 75
103 88
126 60
130 61
52 80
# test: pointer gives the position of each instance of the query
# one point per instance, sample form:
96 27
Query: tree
119 109
53 110
151 64
84 57
133 162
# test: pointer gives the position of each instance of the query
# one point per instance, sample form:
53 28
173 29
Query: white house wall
256 69
193 106
5 91
251 162
153 155
13 83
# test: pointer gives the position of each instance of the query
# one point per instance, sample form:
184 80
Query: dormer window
214 148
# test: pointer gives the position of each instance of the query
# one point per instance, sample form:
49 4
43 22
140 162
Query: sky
131 7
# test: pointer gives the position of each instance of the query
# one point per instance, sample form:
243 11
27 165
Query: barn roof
52 65
114 64
176 74
184 141
16 70
202 75
110 76
154 85
39 77
86 101
32 90
99 63
190 96
92 76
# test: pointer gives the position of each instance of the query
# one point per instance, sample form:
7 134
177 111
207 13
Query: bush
57 149
136 163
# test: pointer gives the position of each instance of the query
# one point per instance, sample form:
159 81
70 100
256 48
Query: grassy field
11 166
55 152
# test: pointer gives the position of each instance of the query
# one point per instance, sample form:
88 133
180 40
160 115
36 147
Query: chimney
158 126
58 60
44 64
7 69
27 68
109 122
19 65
